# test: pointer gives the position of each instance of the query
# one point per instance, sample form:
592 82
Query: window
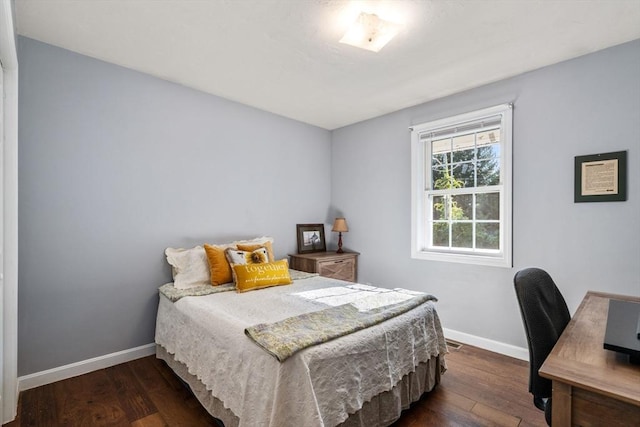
461 188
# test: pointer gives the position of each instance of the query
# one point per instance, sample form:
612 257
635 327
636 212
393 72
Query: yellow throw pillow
249 277
218 265
219 268
252 247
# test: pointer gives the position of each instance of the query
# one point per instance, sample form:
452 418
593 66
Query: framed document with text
601 177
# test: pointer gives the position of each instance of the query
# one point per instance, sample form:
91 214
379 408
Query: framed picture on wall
601 177
310 238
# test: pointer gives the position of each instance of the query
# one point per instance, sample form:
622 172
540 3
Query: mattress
203 340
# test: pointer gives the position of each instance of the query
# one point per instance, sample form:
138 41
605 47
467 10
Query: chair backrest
545 315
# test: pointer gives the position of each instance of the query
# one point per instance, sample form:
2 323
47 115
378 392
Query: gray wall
583 106
114 167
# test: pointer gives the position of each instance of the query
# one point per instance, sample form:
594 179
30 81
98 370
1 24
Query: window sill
474 259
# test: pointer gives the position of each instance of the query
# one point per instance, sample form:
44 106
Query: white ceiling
283 56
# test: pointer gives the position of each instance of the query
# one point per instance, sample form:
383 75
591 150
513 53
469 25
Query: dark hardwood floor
480 388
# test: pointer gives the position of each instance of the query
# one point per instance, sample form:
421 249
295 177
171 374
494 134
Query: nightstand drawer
342 266
343 269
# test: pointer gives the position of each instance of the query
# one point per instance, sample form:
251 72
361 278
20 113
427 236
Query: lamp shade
340 224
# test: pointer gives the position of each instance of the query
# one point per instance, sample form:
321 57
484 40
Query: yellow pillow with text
249 277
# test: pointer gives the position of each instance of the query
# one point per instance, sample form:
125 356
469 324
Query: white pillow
256 241
190 267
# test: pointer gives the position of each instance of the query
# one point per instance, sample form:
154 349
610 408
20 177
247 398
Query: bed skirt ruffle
383 410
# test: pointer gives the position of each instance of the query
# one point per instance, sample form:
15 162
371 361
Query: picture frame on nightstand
310 238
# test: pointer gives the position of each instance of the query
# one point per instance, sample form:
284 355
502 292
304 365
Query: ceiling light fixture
370 32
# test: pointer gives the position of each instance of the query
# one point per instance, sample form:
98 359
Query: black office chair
545 315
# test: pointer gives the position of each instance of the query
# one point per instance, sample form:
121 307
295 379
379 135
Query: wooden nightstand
342 266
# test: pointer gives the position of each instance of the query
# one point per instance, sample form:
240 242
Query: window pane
439 207
488 206
489 151
438 176
441 234
441 146
488 137
464 175
488 172
462 206
487 235
463 155
463 143
440 159
461 235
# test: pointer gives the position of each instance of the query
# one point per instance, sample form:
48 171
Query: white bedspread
320 385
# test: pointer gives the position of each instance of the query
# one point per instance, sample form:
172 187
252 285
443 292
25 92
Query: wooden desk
592 386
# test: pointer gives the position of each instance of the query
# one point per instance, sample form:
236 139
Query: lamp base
340 251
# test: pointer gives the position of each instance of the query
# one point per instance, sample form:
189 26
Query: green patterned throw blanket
284 338
174 294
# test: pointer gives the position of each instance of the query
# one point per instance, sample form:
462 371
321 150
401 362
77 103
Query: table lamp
340 225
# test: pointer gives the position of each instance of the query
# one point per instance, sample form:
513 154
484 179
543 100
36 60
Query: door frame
9 216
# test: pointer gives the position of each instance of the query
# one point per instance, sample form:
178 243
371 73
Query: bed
214 339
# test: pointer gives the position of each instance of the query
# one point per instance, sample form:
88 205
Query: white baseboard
487 344
83 367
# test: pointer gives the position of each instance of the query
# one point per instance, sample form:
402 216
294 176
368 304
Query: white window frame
421 209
